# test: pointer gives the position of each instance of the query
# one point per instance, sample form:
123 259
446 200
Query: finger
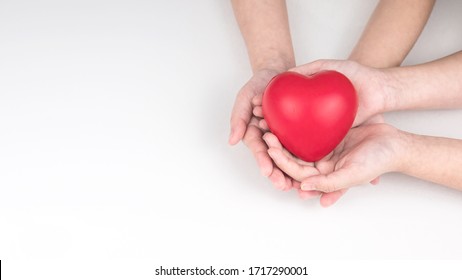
288 184
376 181
295 184
253 140
337 180
240 116
258 111
325 166
238 128
278 179
264 163
313 67
272 141
291 167
257 100
328 199
308 194
263 125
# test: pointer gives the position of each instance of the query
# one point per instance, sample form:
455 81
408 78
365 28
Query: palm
366 150
365 153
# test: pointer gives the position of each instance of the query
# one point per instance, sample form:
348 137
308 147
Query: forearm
391 32
433 85
434 159
265 28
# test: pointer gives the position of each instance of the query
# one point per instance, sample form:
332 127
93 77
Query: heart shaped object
310 115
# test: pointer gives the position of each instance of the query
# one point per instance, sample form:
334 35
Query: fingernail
308 187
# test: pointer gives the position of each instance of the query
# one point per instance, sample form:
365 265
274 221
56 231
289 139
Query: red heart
310 115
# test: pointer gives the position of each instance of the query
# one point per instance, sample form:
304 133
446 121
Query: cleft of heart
310 115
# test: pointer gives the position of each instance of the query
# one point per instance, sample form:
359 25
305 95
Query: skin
367 82
368 150
391 32
371 150
265 29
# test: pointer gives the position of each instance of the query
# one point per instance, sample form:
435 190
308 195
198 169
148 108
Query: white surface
113 139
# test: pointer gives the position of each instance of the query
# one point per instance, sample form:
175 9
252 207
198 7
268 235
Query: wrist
278 63
392 88
407 144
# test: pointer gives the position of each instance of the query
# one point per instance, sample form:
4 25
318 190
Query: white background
114 118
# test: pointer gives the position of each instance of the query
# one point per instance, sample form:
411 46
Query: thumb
240 116
315 66
337 180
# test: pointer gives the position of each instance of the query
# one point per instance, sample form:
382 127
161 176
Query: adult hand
366 152
370 84
244 126
371 87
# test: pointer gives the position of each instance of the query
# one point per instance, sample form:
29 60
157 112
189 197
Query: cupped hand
366 152
242 109
244 126
298 170
370 84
